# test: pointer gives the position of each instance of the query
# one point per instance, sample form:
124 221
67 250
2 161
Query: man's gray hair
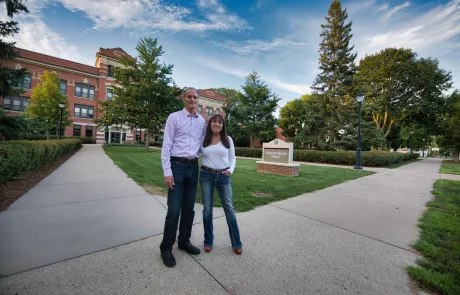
188 88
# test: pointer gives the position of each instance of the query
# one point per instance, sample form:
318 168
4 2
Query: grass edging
439 242
450 167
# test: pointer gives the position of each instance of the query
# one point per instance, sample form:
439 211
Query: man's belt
215 171
184 160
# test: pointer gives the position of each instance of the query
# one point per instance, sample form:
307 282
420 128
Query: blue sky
216 43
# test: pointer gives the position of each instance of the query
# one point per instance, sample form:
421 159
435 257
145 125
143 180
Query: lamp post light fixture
359 99
61 106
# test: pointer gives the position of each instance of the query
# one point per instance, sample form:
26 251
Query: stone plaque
279 155
277 158
278 151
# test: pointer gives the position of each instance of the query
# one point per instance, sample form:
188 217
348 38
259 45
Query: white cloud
216 65
256 46
436 29
35 35
392 11
150 15
38 37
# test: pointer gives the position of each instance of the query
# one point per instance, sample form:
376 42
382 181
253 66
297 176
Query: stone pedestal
278 168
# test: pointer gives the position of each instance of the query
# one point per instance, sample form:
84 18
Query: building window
208 111
89 131
15 103
27 83
110 71
109 95
200 109
76 130
217 111
64 87
83 111
84 90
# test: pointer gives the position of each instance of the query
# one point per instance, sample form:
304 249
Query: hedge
86 140
370 159
19 157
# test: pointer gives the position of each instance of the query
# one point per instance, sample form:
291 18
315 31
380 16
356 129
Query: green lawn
145 169
449 167
439 241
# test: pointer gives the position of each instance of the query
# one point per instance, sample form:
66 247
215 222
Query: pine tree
10 77
334 83
252 111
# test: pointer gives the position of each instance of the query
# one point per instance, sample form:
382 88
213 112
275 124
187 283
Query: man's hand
169 181
226 172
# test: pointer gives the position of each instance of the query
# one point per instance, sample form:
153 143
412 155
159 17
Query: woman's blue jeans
209 181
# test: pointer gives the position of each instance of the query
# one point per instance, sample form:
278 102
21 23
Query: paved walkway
86 205
351 238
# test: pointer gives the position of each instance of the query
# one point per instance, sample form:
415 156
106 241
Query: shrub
248 152
19 157
370 159
85 140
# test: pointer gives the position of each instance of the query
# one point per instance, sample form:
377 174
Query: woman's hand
226 172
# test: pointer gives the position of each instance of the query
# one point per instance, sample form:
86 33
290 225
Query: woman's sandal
207 249
238 251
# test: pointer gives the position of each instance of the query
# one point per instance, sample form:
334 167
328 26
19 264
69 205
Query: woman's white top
217 156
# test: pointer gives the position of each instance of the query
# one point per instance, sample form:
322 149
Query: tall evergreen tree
253 110
10 77
334 83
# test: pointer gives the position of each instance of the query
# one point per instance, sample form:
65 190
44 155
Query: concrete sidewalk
86 205
351 238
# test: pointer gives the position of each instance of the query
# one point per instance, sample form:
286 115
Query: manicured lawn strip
145 169
450 167
439 242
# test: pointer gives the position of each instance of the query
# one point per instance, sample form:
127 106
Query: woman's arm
231 155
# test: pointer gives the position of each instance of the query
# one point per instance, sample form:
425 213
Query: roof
211 94
115 53
35 56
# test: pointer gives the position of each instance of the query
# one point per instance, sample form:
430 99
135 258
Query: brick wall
277 169
72 77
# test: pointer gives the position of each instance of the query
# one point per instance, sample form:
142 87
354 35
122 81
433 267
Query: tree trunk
147 139
252 142
456 156
47 135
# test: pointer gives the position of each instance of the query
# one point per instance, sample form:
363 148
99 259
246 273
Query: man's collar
188 114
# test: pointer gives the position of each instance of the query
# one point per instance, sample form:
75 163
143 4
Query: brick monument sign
277 158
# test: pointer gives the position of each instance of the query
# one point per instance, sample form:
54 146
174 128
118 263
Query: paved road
351 238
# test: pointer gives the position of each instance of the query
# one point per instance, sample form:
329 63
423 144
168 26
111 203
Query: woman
218 164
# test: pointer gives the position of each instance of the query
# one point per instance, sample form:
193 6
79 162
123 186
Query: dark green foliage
10 77
251 113
370 159
19 157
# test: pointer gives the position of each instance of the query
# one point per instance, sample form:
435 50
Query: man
183 134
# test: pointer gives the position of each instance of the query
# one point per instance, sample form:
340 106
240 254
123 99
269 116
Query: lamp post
61 106
359 99
423 151
410 141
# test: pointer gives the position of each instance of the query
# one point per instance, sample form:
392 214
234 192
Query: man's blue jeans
181 202
209 181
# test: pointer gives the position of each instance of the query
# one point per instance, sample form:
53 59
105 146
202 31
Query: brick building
84 86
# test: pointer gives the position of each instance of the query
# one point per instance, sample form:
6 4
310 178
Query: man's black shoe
190 248
168 258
